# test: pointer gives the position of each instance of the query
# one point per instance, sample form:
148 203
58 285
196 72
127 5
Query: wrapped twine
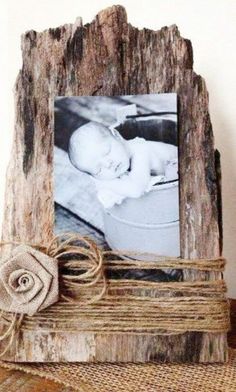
88 301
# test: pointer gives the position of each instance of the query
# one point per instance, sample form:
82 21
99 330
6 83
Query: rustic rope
91 302
13 326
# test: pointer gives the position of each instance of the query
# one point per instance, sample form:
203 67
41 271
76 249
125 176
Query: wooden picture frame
111 57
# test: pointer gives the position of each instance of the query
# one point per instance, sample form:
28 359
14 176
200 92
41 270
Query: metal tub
148 224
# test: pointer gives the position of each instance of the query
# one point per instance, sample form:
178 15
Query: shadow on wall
228 166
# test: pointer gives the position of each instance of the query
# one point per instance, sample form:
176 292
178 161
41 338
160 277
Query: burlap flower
28 281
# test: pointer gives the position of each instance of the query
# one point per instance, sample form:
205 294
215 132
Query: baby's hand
109 198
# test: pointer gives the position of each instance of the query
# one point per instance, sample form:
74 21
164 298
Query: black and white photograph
116 172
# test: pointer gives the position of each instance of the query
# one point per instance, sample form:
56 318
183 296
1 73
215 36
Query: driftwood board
111 57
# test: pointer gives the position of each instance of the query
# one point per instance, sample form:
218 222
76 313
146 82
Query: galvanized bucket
147 224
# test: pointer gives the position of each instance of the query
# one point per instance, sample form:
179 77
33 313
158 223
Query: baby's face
105 158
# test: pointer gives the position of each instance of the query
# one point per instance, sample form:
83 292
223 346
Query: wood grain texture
111 57
22 382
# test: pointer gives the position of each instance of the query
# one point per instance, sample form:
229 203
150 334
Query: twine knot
29 278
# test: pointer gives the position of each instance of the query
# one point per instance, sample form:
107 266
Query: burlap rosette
28 281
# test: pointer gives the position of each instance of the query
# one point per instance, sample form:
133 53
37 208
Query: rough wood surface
111 57
20 381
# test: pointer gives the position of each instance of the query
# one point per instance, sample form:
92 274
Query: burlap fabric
28 281
138 377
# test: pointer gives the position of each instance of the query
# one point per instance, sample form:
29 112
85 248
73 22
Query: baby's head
95 150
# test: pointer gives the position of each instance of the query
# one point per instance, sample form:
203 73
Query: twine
12 327
90 302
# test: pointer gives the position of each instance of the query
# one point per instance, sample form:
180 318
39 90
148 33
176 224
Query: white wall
211 26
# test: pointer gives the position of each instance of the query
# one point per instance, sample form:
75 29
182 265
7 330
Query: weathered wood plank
111 57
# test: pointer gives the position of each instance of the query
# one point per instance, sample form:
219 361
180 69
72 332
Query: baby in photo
121 168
